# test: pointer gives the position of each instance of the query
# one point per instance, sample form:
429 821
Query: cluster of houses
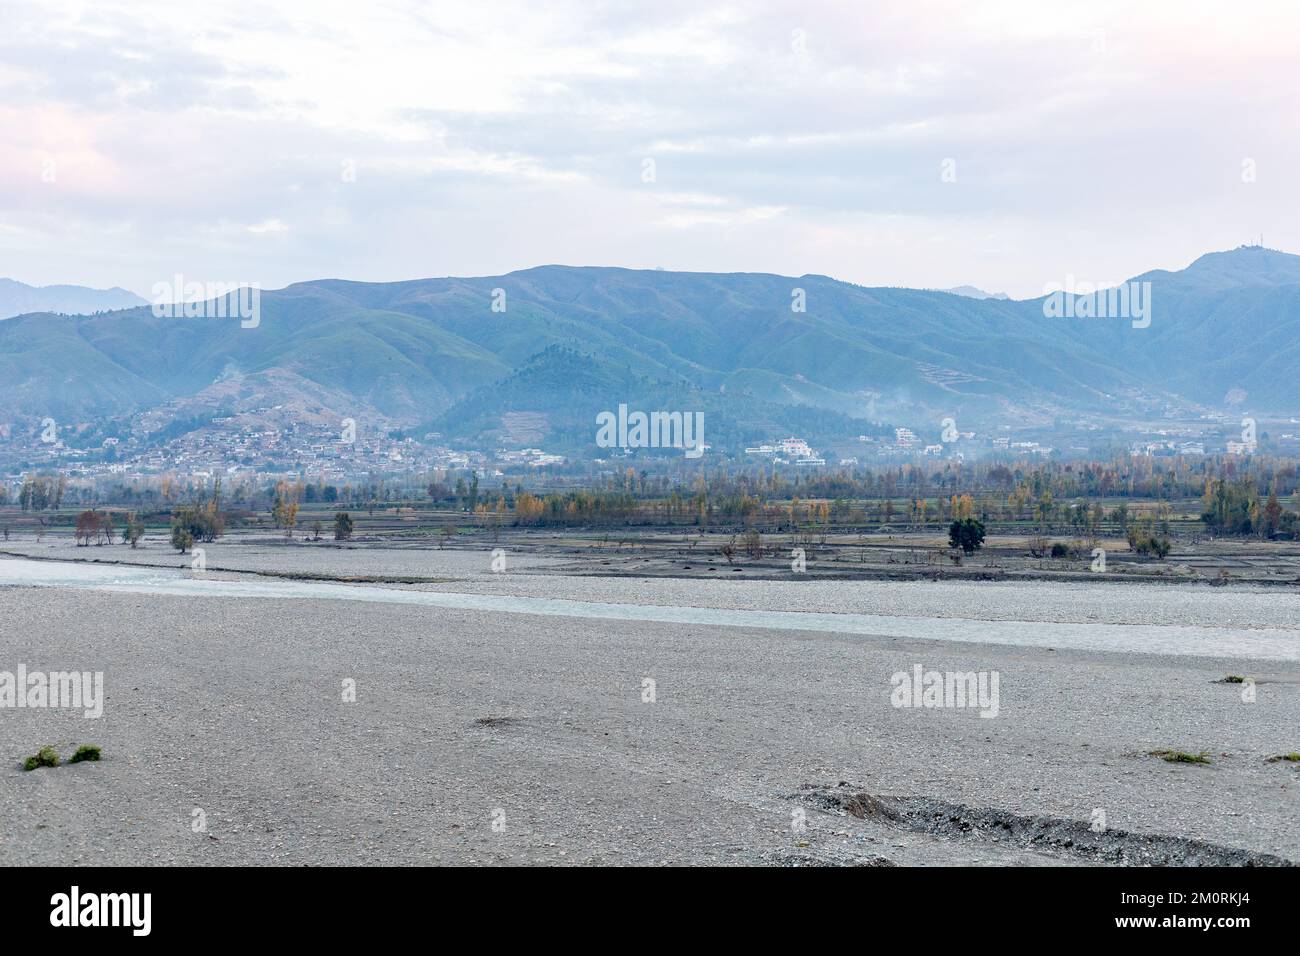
527 458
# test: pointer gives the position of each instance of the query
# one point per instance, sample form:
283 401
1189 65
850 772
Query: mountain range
532 356
18 298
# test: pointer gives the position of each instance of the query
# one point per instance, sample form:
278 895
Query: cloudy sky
1001 144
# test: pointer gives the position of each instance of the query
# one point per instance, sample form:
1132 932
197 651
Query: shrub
1149 544
45 757
85 752
1179 756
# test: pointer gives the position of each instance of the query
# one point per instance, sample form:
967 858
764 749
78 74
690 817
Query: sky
1006 145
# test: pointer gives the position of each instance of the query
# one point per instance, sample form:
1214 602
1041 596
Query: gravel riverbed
508 737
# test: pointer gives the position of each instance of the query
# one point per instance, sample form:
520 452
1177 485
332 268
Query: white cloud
268 225
1099 139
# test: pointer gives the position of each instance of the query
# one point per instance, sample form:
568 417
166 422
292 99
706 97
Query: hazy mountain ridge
973 292
572 341
18 298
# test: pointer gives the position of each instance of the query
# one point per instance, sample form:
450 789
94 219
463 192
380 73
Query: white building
795 448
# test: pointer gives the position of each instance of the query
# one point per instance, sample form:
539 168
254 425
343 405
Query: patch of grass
1179 756
85 752
1232 679
1292 757
45 757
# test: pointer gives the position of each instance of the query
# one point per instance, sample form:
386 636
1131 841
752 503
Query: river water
1264 643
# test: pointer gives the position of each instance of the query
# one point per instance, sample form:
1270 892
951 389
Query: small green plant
85 752
45 757
1292 757
1179 756
1233 679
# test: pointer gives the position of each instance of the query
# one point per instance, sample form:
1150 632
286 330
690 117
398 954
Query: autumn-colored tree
87 528
528 508
1272 513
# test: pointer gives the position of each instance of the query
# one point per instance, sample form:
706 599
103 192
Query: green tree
967 534
182 540
133 531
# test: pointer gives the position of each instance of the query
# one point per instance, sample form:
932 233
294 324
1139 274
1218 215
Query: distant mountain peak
19 298
1246 265
1247 257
